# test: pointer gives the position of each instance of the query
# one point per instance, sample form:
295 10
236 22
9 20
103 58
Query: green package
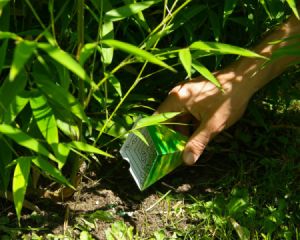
161 155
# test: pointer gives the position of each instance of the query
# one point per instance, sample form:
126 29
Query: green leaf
127 10
9 35
5 159
293 6
60 96
9 90
20 182
242 232
131 49
44 118
2 5
81 146
25 140
107 32
205 73
66 60
154 119
186 60
140 136
228 9
222 48
86 51
215 24
15 107
51 170
69 129
22 53
115 83
3 50
61 151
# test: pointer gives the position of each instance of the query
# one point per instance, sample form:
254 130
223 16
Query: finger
197 143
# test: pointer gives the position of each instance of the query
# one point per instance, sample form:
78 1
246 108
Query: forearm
253 73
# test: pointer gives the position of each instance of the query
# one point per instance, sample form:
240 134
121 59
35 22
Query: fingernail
189 158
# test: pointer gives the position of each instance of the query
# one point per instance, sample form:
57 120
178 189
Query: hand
212 109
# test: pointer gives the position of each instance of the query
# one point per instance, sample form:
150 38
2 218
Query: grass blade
22 53
186 60
85 147
20 182
44 118
222 48
205 73
131 49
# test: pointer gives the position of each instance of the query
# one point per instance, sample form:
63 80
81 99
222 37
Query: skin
212 110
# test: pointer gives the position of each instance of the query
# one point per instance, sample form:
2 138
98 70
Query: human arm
215 110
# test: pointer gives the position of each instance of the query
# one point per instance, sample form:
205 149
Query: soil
117 194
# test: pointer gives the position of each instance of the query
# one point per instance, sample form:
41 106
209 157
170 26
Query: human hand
209 108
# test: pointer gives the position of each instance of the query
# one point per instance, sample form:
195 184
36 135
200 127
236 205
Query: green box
150 162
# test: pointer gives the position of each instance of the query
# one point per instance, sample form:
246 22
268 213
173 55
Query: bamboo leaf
228 9
22 53
107 33
20 182
51 170
25 140
44 118
66 60
154 119
9 35
127 10
115 83
293 6
61 151
9 90
15 107
3 50
86 51
186 60
60 96
131 49
205 73
5 159
222 48
81 146
2 5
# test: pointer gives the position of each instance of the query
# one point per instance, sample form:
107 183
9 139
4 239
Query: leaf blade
186 60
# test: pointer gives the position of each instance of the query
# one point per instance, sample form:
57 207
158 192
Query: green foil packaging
161 155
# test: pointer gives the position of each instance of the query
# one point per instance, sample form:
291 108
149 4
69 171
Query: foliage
71 74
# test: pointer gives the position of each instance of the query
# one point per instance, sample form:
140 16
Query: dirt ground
117 195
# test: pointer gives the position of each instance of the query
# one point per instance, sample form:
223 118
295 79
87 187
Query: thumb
196 144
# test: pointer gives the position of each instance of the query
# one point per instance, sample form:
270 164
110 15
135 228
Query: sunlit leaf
205 72
44 118
20 182
9 35
85 147
22 53
155 119
25 140
127 10
61 151
51 170
66 60
115 83
293 6
131 49
60 96
86 51
222 48
15 107
107 33
186 60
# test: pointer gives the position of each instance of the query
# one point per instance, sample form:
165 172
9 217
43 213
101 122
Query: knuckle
180 92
